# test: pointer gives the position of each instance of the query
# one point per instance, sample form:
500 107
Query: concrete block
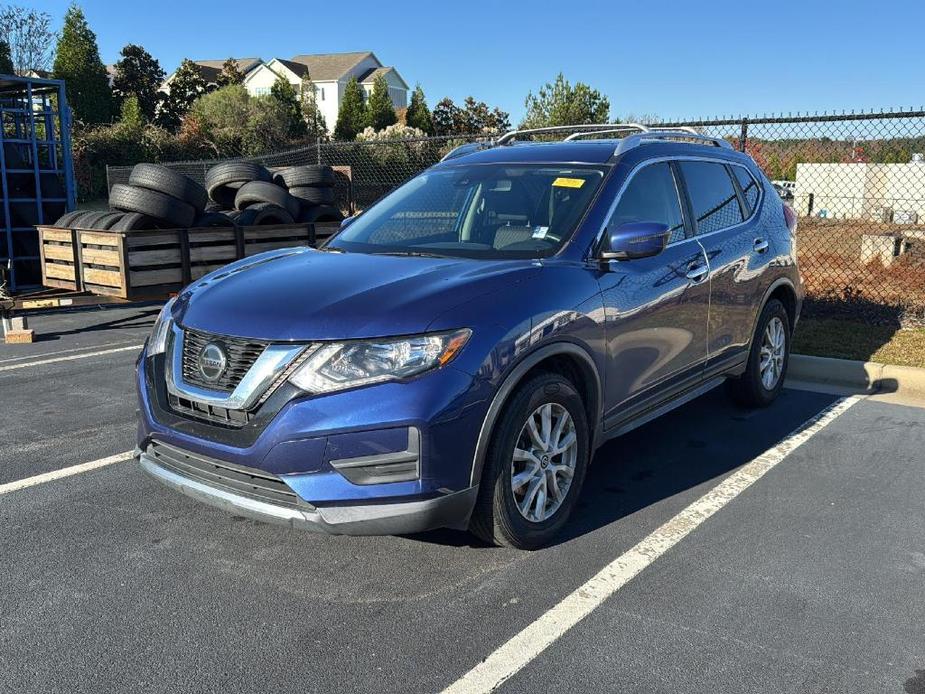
18 337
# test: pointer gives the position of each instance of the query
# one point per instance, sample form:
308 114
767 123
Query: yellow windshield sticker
568 182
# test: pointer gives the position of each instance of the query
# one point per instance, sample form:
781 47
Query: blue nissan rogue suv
455 354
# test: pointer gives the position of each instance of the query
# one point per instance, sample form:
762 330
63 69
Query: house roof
328 66
211 69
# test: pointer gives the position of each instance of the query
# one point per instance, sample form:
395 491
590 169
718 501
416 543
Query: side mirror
636 240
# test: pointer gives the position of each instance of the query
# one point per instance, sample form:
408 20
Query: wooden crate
152 264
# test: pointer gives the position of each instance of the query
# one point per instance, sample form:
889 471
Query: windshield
476 211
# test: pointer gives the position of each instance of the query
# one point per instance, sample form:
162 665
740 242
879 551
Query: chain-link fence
857 182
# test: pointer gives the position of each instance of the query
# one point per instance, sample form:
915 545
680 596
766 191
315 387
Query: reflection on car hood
303 294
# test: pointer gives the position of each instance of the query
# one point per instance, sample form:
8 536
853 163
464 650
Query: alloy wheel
773 350
544 462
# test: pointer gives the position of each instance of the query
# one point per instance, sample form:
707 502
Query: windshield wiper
411 254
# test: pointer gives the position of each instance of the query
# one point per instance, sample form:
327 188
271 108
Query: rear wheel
767 363
535 466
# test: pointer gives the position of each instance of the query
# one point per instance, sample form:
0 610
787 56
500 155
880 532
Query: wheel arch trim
514 378
773 287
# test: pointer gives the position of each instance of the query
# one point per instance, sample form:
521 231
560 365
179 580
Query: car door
655 308
736 249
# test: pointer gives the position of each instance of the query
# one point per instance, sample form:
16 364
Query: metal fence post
743 136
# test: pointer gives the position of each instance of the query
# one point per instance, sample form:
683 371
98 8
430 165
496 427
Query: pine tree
287 101
6 60
418 115
230 74
446 117
138 74
186 86
78 63
314 119
351 118
559 103
132 117
380 113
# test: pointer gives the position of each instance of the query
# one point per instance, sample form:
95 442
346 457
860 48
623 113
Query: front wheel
767 363
535 465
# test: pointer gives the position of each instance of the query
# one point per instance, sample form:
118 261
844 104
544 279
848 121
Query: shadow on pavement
702 441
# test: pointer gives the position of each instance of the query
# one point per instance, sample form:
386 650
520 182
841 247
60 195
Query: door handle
697 273
761 245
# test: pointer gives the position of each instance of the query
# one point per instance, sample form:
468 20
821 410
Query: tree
418 115
27 33
78 63
131 115
380 112
559 103
474 118
287 100
186 86
6 62
138 74
351 118
230 74
445 117
316 128
222 117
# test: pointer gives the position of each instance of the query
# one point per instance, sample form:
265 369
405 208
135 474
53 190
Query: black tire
152 203
313 196
90 219
496 517
213 219
230 175
134 221
749 390
315 175
173 183
262 214
65 220
261 191
320 213
108 219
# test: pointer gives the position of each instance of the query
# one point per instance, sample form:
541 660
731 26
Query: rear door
723 212
655 308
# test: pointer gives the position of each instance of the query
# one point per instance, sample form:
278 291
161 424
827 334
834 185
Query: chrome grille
241 354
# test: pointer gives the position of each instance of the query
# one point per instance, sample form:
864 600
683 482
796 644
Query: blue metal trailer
36 170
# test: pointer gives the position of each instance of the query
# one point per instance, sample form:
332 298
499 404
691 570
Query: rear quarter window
749 187
712 194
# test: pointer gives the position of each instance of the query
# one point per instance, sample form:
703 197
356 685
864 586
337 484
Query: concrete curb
860 376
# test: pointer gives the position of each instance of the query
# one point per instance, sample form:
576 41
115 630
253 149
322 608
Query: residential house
211 69
330 73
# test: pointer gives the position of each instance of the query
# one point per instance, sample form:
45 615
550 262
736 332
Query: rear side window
713 197
749 187
651 196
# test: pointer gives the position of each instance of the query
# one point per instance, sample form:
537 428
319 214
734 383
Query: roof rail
633 141
589 128
611 130
465 148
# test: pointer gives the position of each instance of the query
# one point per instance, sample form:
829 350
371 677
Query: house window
322 93
261 91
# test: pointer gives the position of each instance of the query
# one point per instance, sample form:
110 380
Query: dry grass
852 340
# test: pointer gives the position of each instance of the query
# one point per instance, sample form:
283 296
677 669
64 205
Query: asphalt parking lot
812 579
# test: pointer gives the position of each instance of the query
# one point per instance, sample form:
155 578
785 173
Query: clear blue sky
673 60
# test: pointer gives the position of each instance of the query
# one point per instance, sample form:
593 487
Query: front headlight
157 343
340 365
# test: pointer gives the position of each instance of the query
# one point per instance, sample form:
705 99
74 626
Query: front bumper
451 510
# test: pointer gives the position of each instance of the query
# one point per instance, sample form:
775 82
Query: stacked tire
157 197
313 187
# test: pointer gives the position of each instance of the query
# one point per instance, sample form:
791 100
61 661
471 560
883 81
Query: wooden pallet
152 264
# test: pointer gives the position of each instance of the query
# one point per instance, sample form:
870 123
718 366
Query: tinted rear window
749 186
713 197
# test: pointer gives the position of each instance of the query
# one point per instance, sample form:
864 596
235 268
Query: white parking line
535 638
71 357
63 472
43 355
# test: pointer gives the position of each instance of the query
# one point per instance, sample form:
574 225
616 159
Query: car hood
303 294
